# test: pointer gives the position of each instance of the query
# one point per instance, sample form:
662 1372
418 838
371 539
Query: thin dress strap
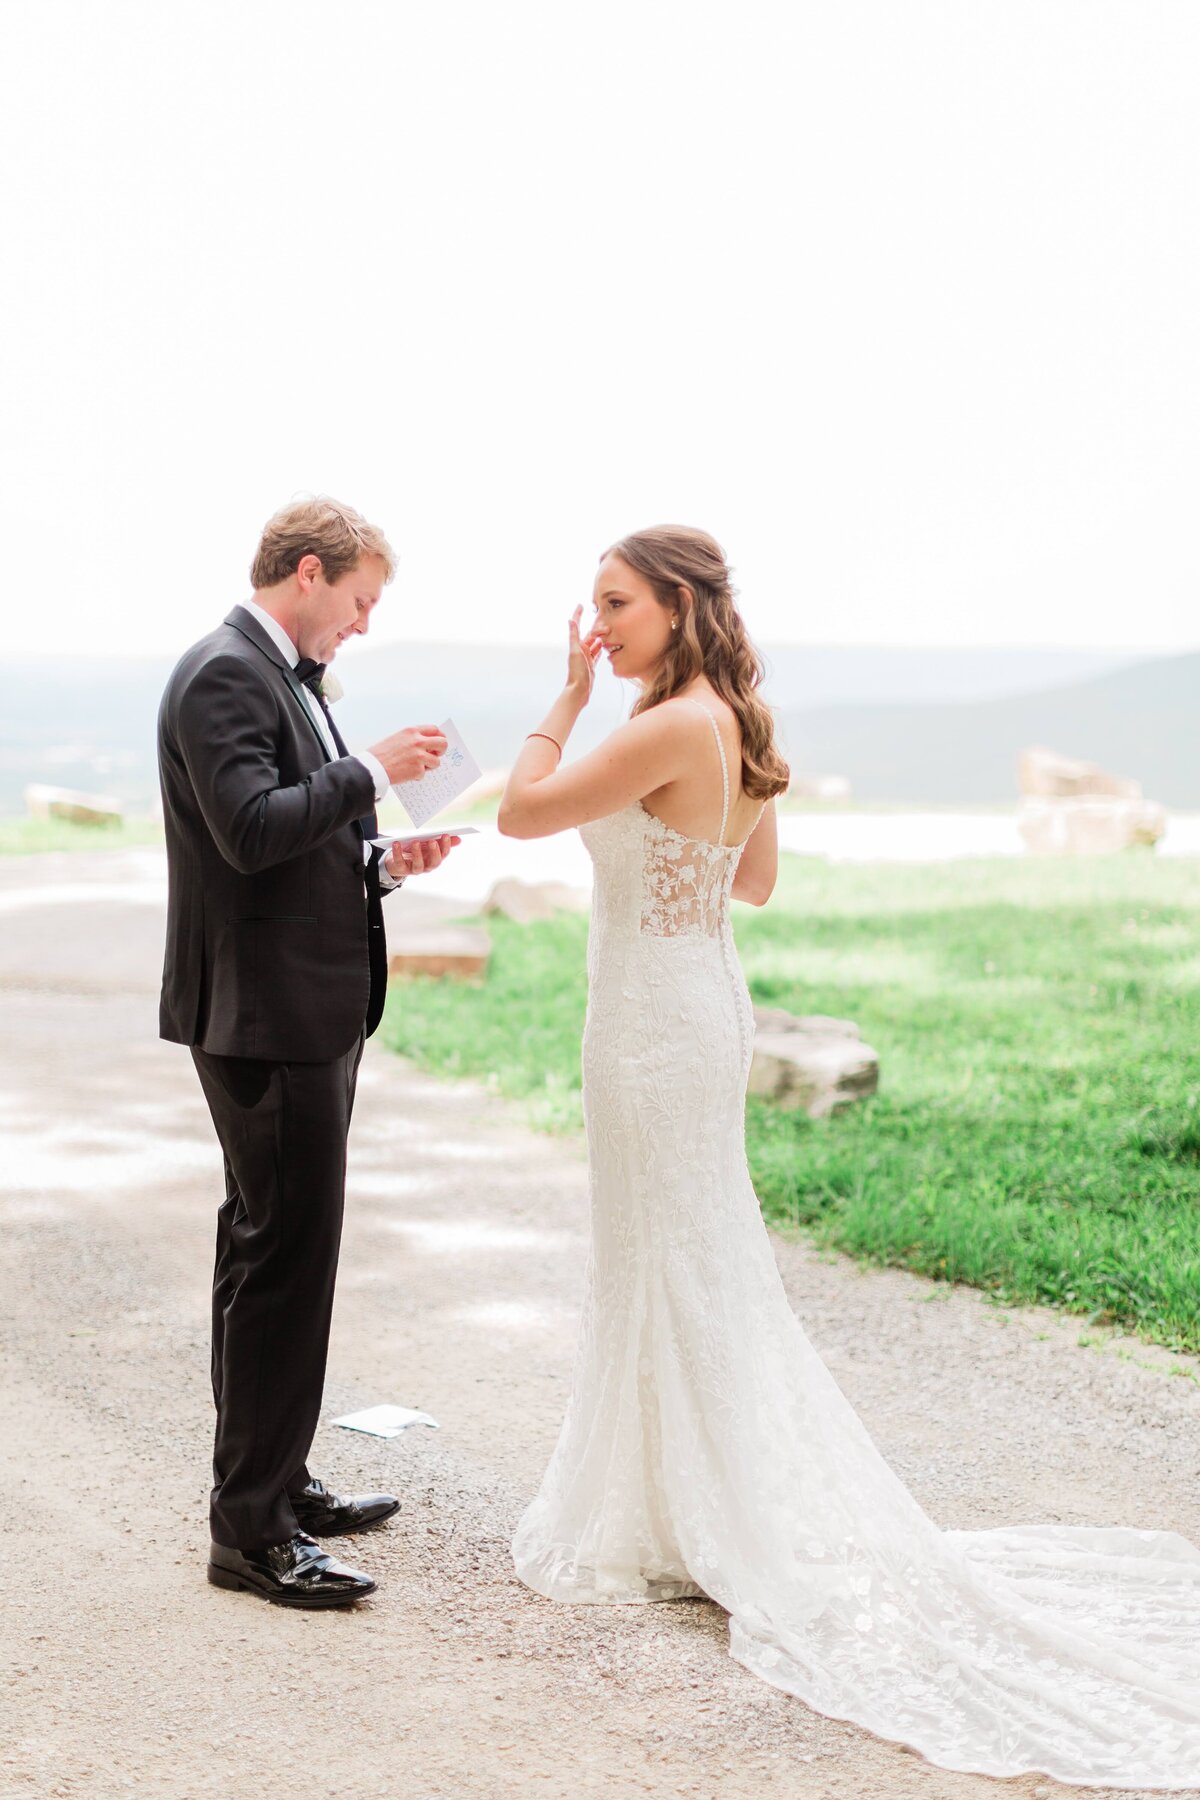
716 731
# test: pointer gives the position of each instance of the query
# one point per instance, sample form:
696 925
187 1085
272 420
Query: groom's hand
419 857
409 754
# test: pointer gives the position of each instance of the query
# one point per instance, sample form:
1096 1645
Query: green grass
27 837
519 1032
1037 1132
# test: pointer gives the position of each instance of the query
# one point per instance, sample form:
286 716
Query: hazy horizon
75 722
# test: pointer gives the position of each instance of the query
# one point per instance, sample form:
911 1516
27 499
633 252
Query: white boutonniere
331 688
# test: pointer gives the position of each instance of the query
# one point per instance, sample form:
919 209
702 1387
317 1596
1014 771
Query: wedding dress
706 1449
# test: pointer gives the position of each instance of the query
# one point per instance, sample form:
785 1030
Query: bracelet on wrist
548 738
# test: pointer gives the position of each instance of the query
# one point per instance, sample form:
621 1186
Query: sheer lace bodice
685 883
677 886
707 1450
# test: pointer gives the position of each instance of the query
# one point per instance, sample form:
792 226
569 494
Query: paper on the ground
430 833
385 1421
454 774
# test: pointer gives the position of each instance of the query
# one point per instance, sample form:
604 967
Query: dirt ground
124 1672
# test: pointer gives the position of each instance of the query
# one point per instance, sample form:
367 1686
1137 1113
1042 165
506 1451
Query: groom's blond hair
322 527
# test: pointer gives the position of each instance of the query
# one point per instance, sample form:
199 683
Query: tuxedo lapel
250 628
306 709
368 824
334 733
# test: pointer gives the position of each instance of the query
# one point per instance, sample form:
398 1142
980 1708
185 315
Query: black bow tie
310 673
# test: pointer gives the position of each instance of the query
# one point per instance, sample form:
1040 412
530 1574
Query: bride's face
631 623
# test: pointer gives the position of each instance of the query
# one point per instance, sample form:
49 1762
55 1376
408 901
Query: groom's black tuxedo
274 974
267 932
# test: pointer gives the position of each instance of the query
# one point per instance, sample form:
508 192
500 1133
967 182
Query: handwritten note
424 799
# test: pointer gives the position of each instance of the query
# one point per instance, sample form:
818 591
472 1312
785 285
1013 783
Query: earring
674 624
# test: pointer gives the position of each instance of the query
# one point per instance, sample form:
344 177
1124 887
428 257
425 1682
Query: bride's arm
540 798
755 878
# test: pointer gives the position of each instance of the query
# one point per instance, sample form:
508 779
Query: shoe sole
225 1578
350 1530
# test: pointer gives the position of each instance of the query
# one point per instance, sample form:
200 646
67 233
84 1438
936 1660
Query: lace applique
685 883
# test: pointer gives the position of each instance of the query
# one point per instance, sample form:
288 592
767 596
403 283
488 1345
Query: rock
811 1062
1044 774
525 902
1089 825
67 803
458 951
774 1018
1073 808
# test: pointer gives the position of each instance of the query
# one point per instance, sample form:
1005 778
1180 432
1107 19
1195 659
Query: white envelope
423 837
385 1421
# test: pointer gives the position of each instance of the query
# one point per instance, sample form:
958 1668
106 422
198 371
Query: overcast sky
898 299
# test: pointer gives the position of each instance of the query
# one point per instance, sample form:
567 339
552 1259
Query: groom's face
336 610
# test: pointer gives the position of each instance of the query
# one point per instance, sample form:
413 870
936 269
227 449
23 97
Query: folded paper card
456 771
429 834
385 1421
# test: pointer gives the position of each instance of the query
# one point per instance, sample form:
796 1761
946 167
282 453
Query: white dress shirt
371 764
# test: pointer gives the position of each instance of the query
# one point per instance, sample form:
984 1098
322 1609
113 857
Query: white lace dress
707 1450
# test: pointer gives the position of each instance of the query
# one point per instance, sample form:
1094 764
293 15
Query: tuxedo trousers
282 1127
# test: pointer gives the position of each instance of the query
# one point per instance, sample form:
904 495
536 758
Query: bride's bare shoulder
684 712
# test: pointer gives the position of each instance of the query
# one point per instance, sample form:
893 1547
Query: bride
706 1450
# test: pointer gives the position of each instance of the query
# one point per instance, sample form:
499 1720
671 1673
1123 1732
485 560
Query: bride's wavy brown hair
711 640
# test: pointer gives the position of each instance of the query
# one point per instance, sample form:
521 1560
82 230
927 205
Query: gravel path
124 1672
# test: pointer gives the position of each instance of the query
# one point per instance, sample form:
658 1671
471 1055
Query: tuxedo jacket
275 942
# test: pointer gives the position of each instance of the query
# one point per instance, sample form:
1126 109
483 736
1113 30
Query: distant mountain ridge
916 726
1139 721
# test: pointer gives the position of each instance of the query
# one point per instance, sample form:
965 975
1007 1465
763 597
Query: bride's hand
582 656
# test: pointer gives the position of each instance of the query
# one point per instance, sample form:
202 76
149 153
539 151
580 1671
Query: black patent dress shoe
297 1573
328 1515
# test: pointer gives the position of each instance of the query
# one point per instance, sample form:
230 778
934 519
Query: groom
274 975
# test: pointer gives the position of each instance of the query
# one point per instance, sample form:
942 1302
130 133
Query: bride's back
693 803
